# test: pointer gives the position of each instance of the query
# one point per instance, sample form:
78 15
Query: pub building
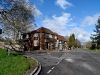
43 39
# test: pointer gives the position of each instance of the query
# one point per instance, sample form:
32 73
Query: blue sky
68 16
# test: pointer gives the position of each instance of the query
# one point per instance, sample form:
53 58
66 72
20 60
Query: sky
68 16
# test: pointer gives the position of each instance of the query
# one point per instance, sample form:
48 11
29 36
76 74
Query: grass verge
14 64
97 51
94 50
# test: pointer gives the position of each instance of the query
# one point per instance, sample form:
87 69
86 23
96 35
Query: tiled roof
48 31
61 38
44 30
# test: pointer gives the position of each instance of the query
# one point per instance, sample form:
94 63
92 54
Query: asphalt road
73 62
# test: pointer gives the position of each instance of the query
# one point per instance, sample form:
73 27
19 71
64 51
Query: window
35 38
50 36
45 40
36 35
55 37
24 36
36 42
60 42
46 36
27 36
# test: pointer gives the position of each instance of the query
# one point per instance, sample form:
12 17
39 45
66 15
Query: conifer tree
96 37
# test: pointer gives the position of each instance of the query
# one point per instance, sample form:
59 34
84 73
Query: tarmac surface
70 62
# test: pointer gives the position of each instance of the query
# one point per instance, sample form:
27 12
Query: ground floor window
36 42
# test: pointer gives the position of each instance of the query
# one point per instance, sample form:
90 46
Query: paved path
74 62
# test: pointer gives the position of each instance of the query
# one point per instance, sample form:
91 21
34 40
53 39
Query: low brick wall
2 44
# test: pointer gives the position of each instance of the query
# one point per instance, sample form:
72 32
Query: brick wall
1 44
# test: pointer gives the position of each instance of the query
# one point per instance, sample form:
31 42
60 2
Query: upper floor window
46 35
27 36
50 36
60 42
55 37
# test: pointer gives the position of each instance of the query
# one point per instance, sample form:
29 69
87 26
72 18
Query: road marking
52 68
48 53
49 71
57 63
70 60
89 67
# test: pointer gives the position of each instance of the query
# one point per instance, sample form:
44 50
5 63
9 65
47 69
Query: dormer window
36 35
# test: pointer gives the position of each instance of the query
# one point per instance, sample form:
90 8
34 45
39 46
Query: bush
93 46
98 47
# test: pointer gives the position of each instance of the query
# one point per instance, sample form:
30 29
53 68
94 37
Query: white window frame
36 35
36 42
27 36
50 36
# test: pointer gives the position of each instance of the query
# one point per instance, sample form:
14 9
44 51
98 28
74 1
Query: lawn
98 51
14 64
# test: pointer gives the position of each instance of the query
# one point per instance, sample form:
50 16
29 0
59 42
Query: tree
16 17
96 37
71 41
78 43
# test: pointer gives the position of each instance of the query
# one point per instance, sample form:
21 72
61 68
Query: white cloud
80 33
90 20
57 23
63 25
1 7
36 11
63 3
